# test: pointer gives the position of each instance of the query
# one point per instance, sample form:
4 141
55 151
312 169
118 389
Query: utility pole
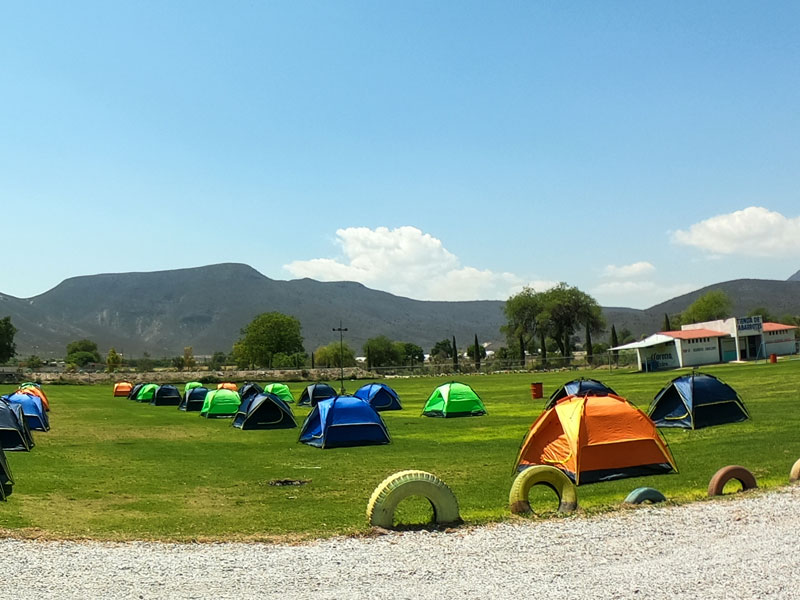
341 331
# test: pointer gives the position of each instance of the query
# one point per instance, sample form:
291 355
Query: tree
82 352
113 360
410 353
8 349
523 314
188 358
477 352
216 361
766 316
178 362
266 335
455 355
564 308
588 344
381 352
710 306
331 355
442 350
667 326
145 363
614 343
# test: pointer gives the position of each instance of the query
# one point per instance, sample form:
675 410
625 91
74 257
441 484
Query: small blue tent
343 421
264 411
380 396
695 401
32 408
193 399
579 387
248 389
6 480
14 431
314 393
166 395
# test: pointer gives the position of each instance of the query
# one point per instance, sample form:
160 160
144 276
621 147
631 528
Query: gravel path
727 548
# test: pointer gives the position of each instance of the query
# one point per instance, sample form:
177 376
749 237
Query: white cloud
637 269
754 231
407 262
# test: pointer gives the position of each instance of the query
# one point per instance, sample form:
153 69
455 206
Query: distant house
724 340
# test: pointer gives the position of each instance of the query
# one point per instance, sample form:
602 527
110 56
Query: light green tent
281 390
220 403
146 392
190 386
454 400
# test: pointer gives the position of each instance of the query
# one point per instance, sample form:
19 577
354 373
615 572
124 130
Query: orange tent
596 438
32 390
228 386
122 388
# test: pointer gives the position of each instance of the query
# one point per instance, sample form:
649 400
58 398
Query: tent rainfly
695 401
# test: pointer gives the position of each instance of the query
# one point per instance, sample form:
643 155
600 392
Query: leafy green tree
216 361
188 358
8 349
381 352
765 315
146 363
442 350
332 355
523 315
34 362
565 308
266 335
177 362
113 360
710 306
82 352
281 360
410 353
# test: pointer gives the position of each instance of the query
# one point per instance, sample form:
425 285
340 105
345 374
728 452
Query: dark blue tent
249 389
14 431
166 395
135 391
193 400
32 408
314 393
695 401
264 411
579 387
343 421
6 480
380 396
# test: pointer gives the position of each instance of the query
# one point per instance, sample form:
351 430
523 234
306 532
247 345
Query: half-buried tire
546 475
404 484
794 474
725 474
644 494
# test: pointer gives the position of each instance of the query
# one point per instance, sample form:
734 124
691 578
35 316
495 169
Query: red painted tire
794 474
725 474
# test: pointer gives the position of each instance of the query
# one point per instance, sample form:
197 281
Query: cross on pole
341 331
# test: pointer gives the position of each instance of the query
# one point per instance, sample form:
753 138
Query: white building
725 340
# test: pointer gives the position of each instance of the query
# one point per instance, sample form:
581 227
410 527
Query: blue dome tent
695 401
264 411
380 396
343 421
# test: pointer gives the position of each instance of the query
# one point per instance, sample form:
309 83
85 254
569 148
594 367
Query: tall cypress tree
614 344
477 354
455 355
588 344
667 326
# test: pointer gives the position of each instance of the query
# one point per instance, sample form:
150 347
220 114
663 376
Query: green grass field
115 469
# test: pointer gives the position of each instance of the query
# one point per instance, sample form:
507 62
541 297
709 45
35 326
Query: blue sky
436 150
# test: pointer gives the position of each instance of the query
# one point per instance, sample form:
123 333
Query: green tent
454 400
220 403
146 392
190 386
281 390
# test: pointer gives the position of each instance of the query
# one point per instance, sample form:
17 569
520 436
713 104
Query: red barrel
773 358
536 391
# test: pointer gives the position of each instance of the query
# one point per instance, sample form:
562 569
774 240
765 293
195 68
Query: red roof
777 327
692 334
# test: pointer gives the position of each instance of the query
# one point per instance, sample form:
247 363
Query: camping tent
220 403
166 395
32 408
36 389
596 438
249 389
343 421
193 399
316 392
146 392
190 386
122 389
695 401
579 387
14 431
380 396
228 385
135 391
454 400
264 411
6 480
281 390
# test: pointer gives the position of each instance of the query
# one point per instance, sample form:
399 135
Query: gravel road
741 547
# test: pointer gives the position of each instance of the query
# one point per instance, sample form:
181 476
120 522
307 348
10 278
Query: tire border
644 494
794 473
725 474
404 484
546 475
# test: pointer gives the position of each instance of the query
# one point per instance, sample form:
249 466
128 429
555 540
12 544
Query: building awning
653 340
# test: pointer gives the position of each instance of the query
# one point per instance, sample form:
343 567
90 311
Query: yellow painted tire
546 475
404 484
794 474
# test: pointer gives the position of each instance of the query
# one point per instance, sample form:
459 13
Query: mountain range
161 312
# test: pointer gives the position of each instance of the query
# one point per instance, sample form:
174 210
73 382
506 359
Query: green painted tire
403 484
725 474
546 475
794 474
644 494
